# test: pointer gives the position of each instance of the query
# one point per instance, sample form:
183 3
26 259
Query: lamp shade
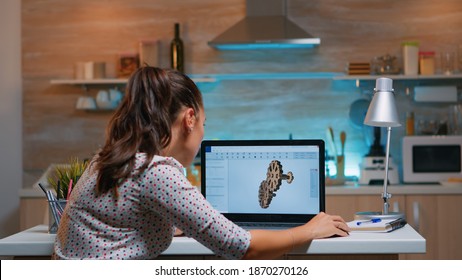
382 110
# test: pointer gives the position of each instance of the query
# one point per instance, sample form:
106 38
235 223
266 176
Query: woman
134 194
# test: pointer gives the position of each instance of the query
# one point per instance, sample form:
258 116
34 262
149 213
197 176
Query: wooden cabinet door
449 224
437 219
32 212
421 215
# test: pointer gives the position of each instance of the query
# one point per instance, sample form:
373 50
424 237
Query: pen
51 202
69 189
43 189
58 190
376 220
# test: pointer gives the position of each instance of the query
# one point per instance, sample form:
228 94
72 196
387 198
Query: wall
57 34
10 116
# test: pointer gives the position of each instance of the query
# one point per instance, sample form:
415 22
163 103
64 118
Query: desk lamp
382 113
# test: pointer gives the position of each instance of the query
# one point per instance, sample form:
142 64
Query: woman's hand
324 225
178 232
270 244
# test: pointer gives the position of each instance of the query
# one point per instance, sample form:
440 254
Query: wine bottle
176 50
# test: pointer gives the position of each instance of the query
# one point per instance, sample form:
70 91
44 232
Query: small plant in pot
65 177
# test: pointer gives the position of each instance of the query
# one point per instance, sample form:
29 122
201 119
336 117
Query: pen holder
339 179
53 210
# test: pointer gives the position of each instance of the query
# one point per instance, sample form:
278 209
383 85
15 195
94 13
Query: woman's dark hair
142 123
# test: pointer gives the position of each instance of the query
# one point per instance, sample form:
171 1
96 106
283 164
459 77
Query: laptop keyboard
257 225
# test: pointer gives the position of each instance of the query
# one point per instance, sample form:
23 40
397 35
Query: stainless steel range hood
265 26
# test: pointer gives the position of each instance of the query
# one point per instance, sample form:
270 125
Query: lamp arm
385 195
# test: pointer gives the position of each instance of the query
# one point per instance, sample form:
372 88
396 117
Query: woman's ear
189 119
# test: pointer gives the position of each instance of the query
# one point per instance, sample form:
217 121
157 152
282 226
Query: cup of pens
56 208
61 182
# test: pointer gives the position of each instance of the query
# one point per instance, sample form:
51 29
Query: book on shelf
358 68
377 225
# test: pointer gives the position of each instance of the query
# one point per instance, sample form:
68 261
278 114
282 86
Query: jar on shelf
411 57
410 123
427 63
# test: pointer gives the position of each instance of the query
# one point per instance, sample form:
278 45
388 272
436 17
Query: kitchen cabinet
436 218
32 211
433 215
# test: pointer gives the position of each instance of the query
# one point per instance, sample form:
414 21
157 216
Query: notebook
264 183
377 225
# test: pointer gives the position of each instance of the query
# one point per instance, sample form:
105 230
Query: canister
427 63
149 52
411 57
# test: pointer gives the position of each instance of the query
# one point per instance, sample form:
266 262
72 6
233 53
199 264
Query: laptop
271 184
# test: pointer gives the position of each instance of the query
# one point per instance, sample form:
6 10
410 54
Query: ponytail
142 123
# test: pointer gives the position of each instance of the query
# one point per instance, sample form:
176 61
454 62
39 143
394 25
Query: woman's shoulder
164 169
168 163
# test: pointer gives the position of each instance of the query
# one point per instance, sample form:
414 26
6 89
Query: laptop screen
264 180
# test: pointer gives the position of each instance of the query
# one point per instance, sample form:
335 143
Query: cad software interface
263 179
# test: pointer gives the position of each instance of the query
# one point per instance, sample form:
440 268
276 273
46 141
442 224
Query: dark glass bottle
176 51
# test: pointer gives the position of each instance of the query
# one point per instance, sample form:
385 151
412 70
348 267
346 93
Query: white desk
36 242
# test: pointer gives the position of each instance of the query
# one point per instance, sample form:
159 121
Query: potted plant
65 177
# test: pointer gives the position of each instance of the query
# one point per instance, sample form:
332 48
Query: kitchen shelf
121 81
270 76
212 78
397 77
87 82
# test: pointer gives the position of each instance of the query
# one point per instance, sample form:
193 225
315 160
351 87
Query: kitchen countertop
393 189
37 241
35 192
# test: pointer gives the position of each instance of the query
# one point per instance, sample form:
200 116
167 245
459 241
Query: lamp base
374 215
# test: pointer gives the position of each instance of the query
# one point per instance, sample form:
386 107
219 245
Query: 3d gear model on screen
269 187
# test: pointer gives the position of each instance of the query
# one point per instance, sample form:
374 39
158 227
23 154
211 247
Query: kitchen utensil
342 140
330 141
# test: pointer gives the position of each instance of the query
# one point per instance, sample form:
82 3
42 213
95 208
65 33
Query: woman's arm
168 193
269 244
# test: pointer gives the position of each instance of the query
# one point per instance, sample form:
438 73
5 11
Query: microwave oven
431 159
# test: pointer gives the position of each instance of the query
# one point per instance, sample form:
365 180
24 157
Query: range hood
264 27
